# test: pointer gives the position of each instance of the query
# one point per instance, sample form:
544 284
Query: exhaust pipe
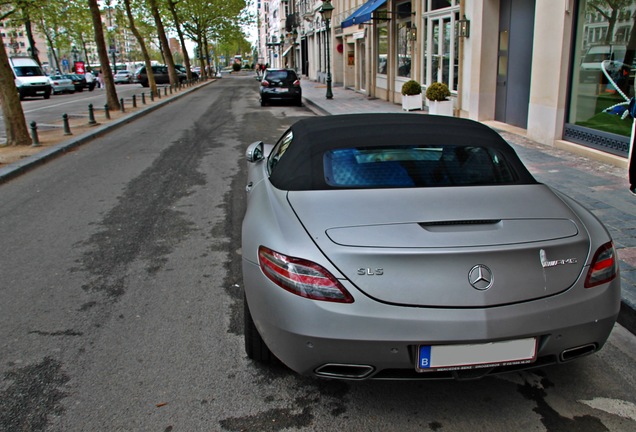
344 371
573 353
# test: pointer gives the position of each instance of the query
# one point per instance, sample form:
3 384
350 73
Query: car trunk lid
443 247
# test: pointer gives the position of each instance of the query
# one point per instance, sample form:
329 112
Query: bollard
91 115
134 101
159 93
170 88
67 127
121 104
165 91
152 96
34 134
143 98
106 112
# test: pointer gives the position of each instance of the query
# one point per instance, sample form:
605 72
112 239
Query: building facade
559 69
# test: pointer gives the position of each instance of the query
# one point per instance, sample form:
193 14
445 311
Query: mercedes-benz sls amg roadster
405 246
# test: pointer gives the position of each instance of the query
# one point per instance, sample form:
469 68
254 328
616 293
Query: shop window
603 72
432 5
404 43
383 49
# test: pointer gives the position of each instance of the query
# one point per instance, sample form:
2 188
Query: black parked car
280 85
181 68
161 75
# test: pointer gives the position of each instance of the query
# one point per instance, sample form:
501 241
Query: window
279 150
416 166
602 79
404 44
383 48
440 58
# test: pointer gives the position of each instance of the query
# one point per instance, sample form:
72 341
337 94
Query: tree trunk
142 44
106 71
14 122
177 24
34 51
165 46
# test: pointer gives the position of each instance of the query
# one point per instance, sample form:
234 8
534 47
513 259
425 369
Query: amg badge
545 263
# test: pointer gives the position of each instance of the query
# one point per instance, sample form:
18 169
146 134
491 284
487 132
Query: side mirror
254 152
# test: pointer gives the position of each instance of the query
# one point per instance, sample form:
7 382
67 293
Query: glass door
440 52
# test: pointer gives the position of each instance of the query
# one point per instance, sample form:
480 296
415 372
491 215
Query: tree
615 7
186 59
151 76
106 71
15 124
165 46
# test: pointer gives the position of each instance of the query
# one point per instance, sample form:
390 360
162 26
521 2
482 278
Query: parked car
79 82
280 85
60 84
123 77
160 73
182 69
29 78
409 246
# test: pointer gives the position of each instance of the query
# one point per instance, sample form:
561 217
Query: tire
255 347
47 95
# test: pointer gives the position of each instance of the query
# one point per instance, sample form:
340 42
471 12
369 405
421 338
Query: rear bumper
381 339
34 90
275 94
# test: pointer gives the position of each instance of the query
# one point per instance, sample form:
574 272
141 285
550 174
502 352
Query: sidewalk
599 186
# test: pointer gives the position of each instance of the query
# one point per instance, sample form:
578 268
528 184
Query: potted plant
437 95
411 96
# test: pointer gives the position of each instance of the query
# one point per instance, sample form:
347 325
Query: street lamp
75 53
326 10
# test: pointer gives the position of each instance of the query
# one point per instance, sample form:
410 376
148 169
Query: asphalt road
120 302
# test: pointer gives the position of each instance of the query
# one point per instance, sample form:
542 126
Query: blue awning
363 14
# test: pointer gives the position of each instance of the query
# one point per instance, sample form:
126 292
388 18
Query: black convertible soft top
301 167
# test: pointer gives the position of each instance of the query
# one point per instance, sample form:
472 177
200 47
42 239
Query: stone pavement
601 187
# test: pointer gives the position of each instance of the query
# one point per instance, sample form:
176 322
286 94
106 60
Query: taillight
264 83
302 277
296 83
604 266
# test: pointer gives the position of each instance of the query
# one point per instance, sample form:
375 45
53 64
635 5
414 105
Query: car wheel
254 345
263 103
47 95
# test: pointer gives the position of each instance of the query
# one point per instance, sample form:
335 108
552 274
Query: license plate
461 357
282 90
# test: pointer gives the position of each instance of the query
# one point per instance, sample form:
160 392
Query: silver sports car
395 246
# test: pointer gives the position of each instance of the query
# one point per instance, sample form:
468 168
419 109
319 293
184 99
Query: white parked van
591 63
29 78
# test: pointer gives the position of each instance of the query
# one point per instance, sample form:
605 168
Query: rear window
416 166
282 76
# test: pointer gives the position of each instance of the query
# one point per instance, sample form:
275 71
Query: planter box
441 108
413 102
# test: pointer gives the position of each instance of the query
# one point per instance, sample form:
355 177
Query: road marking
617 407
